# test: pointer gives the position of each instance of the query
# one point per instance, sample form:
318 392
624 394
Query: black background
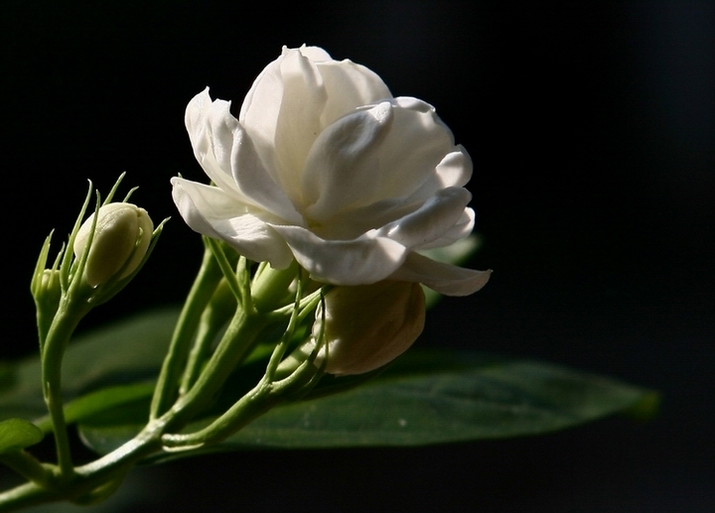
591 127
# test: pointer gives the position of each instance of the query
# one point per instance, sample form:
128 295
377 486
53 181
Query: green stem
23 496
203 288
271 288
256 402
253 404
53 400
27 466
214 319
236 343
85 480
89 481
58 336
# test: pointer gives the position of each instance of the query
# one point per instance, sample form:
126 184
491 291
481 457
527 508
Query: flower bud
121 239
49 289
368 326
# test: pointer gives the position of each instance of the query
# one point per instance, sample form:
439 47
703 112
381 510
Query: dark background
591 127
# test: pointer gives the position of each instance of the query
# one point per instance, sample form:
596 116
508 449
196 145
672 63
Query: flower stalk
203 288
28 466
101 256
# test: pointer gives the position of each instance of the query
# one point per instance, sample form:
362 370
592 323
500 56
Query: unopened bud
368 326
121 239
49 289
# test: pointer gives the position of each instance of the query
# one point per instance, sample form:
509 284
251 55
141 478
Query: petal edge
446 279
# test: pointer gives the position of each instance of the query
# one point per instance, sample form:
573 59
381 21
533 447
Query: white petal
351 224
417 143
342 169
455 170
431 221
381 152
349 86
460 230
344 262
210 126
196 112
259 110
409 154
257 183
446 279
298 123
210 211
314 53
228 156
281 114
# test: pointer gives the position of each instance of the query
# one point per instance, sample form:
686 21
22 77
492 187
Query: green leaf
17 434
427 397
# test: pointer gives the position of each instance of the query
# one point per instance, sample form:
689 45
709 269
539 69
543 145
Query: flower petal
460 230
431 221
416 144
348 86
446 279
281 113
343 262
210 211
340 170
351 224
228 156
298 123
387 151
454 170
210 126
259 110
256 183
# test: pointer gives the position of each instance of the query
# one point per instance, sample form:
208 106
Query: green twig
203 288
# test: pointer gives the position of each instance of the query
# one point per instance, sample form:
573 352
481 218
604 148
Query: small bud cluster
102 255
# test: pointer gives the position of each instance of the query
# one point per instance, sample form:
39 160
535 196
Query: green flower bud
121 239
49 289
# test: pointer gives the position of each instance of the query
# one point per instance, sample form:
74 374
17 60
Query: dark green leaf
428 397
17 434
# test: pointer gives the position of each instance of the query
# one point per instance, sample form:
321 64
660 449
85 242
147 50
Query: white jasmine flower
325 166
